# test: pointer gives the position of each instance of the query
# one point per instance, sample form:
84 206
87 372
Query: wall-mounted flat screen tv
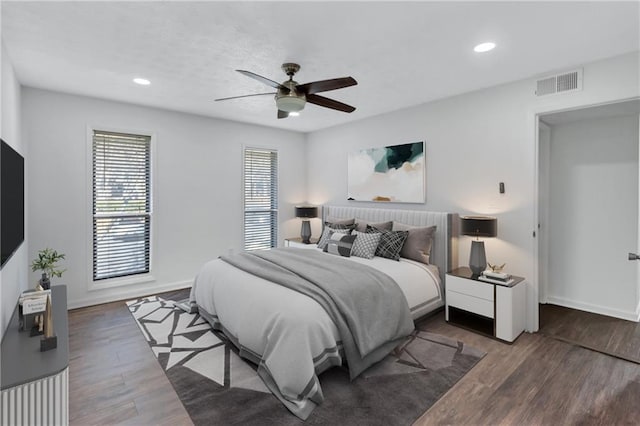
11 201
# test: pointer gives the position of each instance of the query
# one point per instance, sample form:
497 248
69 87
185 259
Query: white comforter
289 335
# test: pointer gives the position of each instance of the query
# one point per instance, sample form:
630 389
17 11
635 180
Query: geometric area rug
217 387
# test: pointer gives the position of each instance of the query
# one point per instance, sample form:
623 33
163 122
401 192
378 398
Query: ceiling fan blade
264 80
282 114
326 85
329 103
244 96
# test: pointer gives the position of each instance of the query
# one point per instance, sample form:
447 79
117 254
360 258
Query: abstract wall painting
393 174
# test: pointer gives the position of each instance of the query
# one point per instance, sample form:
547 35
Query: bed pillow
339 226
339 244
336 221
326 233
365 244
391 242
361 225
419 242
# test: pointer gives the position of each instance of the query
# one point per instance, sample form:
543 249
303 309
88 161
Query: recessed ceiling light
294 114
141 81
484 47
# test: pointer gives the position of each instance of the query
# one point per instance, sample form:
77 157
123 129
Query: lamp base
305 232
477 258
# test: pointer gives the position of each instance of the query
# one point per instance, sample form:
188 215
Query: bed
293 332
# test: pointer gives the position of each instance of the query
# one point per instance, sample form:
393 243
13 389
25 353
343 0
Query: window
121 204
260 199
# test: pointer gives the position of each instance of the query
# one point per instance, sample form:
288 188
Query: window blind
121 204
260 199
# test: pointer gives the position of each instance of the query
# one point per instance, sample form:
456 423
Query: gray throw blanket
367 306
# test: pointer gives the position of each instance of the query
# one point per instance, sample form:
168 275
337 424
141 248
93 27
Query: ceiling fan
291 97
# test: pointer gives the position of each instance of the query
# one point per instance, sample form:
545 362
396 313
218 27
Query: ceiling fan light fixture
291 97
290 103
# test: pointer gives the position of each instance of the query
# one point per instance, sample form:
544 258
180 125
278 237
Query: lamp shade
479 226
290 103
306 212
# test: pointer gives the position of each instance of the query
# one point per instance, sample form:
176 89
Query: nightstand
297 242
496 310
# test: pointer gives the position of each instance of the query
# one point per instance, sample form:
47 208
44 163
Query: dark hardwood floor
609 335
538 380
114 378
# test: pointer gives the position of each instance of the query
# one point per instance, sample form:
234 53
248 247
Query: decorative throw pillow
339 244
361 225
335 221
365 244
326 233
339 226
419 242
391 242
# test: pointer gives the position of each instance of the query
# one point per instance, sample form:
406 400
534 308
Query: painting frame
388 174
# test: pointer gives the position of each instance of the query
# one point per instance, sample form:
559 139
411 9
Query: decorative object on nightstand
478 226
306 213
496 268
496 277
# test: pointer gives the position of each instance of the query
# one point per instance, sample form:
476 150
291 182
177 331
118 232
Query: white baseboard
127 294
596 309
638 313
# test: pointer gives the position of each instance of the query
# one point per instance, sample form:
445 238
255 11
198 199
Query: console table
35 385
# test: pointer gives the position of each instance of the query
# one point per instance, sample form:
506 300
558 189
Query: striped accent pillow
339 244
391 242
365 244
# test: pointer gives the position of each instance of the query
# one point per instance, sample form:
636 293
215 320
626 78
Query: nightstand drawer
470 287
469 303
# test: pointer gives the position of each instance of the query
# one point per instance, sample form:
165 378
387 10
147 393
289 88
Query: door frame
543 244
533 310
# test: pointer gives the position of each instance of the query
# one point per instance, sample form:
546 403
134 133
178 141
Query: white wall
13 276
593 215
197 186
473 142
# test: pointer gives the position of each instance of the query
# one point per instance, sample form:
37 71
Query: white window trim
242 151
129 280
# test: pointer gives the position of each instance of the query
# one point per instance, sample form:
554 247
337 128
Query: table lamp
478 226
306 213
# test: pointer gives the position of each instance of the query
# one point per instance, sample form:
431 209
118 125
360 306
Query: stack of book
496 277
32 304
33 301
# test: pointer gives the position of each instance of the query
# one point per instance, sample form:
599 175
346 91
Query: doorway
588 212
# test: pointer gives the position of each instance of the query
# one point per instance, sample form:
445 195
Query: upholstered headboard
444 253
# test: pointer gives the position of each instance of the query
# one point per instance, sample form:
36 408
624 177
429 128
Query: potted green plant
47 262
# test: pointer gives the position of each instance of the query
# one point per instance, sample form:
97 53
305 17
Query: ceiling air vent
559 83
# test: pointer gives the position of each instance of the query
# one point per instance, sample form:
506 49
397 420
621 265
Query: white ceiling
401 53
